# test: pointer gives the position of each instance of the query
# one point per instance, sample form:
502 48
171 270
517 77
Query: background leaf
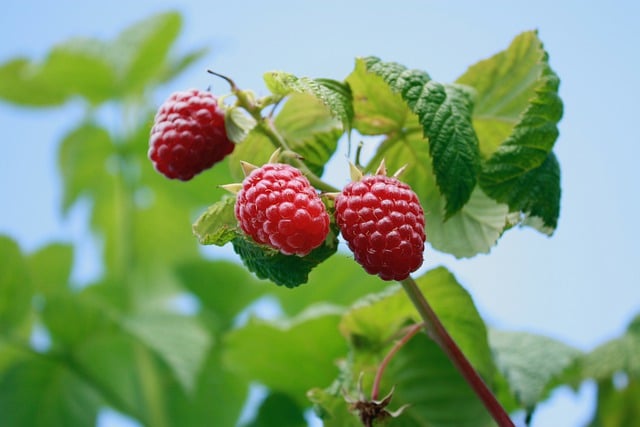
336 96
294 356
516 115
530 363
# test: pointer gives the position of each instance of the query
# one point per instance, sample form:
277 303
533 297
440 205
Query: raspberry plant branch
266 126
411 332
436 330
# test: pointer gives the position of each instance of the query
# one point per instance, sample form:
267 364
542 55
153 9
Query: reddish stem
439 334
412 330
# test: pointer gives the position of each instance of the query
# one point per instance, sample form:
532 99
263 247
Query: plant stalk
436 330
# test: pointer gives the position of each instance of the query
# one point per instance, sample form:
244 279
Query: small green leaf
617 355
178 340
444 112
335 95
309 129
43 393
378 109
516 115
238 124
16 288
218 224
294 356
142 50
530 363
283 270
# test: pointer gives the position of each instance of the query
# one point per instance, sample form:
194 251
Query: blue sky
580 286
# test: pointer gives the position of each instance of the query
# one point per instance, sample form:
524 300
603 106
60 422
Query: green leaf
378 109
82 67
278 410
50 267
72 318
283 270
22 83
142 50
218 224
16 288
444 112
77 67
178 340
617 355
537 192
256 149
331 407
178 65
374 321
516 114
238 124
530 363
82 161
474 229
294 356
335 95
44 393
309 129
427 380
220 395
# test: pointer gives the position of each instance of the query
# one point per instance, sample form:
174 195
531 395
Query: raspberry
188 135
277 206
383 223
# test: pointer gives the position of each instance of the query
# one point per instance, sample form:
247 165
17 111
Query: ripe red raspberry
188 135
277 206
382 221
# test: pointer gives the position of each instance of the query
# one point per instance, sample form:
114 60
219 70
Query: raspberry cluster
383 223
188 135
277 206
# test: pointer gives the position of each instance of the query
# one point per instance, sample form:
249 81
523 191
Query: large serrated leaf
283 270
218 224
444 112
336 96
516 114
530 363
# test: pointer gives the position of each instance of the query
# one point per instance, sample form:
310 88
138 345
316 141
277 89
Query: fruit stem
412 330
269 130
436 330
